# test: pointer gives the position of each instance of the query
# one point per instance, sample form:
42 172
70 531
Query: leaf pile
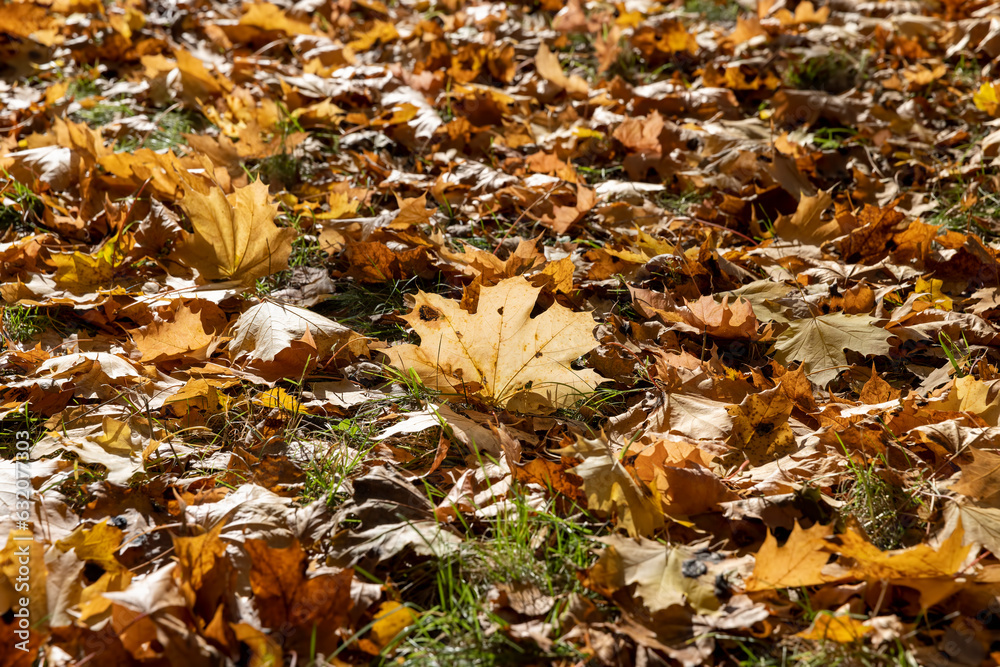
351 332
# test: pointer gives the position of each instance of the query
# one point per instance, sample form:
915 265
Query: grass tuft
522 546
833 72
20 323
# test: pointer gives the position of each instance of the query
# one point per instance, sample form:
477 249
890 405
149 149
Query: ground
432 333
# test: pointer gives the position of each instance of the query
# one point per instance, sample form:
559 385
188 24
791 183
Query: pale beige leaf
111 444
476 437
982 525
657 571
980 477
268 328
819 343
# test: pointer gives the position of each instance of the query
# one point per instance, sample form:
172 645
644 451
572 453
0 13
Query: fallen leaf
797 562
549 68
611 490
265 330
840 628
234 235
184 334
980 478
524 361
657 570
760 426
819 343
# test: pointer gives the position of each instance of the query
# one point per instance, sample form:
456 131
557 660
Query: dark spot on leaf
764 428
92 572
693 567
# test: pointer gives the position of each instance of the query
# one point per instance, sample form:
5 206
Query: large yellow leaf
841 628
919 562
987 98
500 352
268 17
234 235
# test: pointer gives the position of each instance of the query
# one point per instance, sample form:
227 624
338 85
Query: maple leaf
871 240
974 396
641 135
197 557
13 579
507 356
391 619
690 489
804 225
805 12
265 330
722 320
760 426
82 273
268 17
980 478
453 137
610 488
987 98
475 436
234 235
981 524
841 628
194 327
548 67
111 444
918 562
287 594
819 343
657 570
797 562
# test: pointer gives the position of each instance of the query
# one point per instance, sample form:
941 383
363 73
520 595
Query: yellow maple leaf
380 31
234 236
98 545
265 16
798 562
919 562
391 619
760 426
841 628
987 98
500 352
